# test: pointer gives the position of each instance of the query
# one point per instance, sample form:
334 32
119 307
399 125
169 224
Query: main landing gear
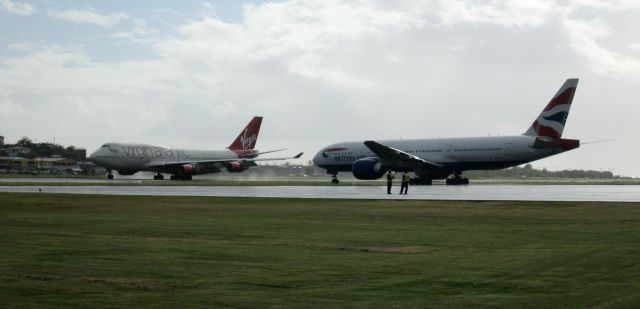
457 179
158 176
109 175
179 177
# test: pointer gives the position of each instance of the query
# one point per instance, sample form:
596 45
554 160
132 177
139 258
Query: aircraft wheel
110 176
335 181
457 181
173 177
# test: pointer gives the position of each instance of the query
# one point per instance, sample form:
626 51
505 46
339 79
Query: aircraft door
448 151
506 150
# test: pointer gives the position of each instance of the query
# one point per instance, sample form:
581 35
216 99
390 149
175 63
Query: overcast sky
192 73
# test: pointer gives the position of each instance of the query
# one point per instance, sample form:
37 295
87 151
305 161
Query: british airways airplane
182 164
448 157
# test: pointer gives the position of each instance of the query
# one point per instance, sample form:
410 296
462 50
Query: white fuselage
141 157
452 154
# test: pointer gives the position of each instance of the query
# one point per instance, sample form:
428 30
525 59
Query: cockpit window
106 146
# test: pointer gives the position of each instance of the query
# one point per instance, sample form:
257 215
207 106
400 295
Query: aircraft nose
94 157
317 159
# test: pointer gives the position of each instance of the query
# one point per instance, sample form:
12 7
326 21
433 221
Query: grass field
113 251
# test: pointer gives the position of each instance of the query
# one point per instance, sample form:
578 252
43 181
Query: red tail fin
249 135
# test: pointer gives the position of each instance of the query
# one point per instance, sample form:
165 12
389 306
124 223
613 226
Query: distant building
16 165
16 151
1 141
55 164
78 154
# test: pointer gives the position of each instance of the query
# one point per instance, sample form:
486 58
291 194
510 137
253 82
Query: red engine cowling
236 167
189 169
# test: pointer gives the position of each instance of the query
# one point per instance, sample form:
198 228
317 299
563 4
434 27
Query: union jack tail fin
551 121
248 137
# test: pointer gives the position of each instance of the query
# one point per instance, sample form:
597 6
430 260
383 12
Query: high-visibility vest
405 178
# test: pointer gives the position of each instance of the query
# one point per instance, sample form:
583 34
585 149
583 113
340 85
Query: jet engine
236 167
367 169
189 169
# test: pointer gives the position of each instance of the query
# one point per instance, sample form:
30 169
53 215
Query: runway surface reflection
603 193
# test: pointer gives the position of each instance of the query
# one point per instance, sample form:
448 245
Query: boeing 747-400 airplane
182 164
448 157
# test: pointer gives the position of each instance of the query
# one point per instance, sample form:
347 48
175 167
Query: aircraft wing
391 154
177 163
274 159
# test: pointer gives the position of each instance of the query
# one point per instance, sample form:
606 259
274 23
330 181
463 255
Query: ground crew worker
404 185
389 182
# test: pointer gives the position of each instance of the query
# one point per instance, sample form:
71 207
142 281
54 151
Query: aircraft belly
482 165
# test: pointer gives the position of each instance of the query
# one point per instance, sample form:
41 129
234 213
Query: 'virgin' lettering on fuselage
143 152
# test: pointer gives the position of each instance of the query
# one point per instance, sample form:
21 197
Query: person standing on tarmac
389 182
404 185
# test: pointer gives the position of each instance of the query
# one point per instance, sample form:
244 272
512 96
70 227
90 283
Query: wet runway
69 180
603 193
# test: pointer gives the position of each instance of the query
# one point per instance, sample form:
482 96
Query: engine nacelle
189 169
236 167
367 169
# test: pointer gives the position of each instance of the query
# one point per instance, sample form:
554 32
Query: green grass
112 251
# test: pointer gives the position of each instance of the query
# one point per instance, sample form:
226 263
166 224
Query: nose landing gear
334 177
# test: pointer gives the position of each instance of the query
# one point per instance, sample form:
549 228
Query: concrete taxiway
600 193
46 180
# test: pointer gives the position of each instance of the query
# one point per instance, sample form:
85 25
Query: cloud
520 13
606 4
17 8
635 46
326 71
584 39
141 33
298 36
89 16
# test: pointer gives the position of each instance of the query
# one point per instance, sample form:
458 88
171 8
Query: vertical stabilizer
551 121
247 139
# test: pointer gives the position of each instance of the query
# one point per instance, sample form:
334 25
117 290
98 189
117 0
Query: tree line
527 171
48 149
